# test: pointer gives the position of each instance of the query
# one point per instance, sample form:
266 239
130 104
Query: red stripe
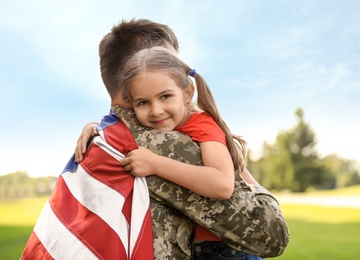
106 169
88 227
120 137
35 250
144 242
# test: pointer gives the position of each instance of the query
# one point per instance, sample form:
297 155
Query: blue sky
262 59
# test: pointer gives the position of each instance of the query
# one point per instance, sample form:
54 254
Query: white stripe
57 239
100 141
140 206
100 199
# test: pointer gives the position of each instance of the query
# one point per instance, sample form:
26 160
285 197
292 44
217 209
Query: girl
158 86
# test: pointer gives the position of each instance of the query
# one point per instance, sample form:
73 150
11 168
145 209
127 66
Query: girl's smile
160 122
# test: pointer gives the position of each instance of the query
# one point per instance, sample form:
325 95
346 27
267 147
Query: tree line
20 185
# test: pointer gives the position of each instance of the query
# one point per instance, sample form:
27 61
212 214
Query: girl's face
158 102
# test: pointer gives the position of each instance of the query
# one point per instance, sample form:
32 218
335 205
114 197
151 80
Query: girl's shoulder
201 117
202 127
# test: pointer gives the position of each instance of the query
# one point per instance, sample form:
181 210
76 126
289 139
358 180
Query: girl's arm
214 180
88 131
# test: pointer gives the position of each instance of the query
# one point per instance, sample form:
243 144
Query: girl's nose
156 110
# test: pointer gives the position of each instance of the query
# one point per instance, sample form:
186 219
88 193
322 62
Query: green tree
292 161
274 168
301 146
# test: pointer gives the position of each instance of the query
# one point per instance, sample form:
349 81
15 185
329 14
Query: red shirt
201 127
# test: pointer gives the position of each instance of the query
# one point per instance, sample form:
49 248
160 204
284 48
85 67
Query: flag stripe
139 212
106 169
85 224
35 250
57 239
140 198
98 198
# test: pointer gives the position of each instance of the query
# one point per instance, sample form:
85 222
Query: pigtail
206 102
205 99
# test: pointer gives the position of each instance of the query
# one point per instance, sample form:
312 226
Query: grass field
317 232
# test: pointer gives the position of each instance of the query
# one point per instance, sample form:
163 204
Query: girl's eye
140 103
166 96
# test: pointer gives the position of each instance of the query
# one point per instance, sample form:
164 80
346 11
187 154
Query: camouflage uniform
250 220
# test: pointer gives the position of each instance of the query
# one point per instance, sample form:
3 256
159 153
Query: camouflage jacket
250 220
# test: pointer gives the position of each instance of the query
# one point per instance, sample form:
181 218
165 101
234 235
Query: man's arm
250 221
172 232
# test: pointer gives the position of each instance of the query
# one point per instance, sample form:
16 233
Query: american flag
97 210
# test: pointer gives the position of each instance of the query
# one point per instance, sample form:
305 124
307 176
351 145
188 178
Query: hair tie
192 72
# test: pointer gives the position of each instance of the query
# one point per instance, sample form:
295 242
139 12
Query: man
253 221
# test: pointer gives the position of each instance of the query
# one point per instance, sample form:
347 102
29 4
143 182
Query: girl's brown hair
161 59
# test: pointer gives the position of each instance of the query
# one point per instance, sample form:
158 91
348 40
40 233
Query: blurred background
285 75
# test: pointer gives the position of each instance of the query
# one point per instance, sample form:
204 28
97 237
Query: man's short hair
125 39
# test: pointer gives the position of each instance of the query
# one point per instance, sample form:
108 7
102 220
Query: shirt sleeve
202 128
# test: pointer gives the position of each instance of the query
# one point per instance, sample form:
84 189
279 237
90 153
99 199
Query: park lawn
13 240
17 220
317 232
321 214
346 191
22 212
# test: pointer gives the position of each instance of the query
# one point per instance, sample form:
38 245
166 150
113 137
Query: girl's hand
88 131
140 162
